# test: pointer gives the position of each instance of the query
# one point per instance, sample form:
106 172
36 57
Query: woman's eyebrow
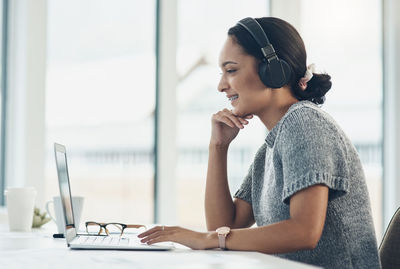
228 62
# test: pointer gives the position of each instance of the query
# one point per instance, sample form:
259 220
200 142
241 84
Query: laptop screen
63 179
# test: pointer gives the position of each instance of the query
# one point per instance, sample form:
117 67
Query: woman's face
240 80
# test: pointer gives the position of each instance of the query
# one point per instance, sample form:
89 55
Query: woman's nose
222 85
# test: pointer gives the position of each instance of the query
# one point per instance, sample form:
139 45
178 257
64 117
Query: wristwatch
222 234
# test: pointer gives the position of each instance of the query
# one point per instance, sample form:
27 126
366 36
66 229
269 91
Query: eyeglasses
109 228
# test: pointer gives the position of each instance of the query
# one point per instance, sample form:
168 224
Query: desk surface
38 249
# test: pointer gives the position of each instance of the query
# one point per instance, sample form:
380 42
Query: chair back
389 250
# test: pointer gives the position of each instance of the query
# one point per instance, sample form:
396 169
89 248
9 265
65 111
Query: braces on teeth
233 97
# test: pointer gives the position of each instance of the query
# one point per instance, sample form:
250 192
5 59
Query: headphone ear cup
287 72
263 72
275 74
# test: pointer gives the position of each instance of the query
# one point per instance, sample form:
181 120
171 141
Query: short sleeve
244 192
312 151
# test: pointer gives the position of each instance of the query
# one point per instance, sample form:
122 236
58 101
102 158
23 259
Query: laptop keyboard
103 240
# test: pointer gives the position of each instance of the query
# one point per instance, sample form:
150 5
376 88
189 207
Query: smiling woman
306 188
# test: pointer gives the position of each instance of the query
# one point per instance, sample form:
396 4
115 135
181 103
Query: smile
234 97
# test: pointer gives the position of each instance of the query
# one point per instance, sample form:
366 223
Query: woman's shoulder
307 115
306 121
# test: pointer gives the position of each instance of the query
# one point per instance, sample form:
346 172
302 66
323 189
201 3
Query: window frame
4 59
391 111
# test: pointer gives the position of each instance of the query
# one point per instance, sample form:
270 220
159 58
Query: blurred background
100 97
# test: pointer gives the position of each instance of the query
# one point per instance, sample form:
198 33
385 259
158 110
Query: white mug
20 205
58 217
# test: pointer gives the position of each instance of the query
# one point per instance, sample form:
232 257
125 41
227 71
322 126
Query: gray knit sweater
306 147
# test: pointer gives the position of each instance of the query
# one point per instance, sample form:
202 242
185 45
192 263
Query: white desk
39 249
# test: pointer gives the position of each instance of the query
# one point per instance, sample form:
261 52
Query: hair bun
316 89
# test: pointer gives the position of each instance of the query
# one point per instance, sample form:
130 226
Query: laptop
86 241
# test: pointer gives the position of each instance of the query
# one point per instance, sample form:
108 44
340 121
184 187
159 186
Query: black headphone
273 72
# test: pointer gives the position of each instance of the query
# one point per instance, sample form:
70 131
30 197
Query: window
101 97
199 43
100 104
347 38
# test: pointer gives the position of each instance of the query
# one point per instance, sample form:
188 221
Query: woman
306 188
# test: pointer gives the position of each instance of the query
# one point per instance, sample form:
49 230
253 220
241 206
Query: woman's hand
225 126
192 239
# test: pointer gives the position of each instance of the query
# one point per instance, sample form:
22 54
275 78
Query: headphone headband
254 28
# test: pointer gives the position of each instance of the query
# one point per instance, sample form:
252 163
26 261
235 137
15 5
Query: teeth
233 97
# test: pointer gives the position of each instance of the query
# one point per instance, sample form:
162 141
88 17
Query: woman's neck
282 101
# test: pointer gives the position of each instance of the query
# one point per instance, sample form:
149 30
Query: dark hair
289 46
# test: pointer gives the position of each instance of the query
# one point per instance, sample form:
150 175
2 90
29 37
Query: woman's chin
237 112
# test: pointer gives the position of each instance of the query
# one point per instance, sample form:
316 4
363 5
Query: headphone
273 72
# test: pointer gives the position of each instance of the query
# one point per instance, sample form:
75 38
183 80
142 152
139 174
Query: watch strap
222 241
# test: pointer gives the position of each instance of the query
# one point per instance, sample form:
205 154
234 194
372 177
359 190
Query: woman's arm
219 207
301 231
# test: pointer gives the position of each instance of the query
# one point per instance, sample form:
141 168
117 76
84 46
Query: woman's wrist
211 240
218 146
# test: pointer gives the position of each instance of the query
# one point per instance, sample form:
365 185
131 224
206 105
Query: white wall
288 10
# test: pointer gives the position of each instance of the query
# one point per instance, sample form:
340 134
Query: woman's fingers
192 239
152 236
243 121
233 118
225 120
228 118
157 240
158 234
152 230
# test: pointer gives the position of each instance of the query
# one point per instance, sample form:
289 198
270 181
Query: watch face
223 230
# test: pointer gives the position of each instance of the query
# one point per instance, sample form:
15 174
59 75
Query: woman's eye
229 71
